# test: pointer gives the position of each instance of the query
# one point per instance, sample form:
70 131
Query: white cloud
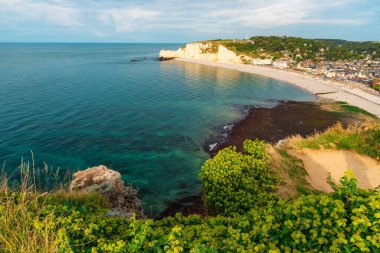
53 13
214 17
278 13
128 19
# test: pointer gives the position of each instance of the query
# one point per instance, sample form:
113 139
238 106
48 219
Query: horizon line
85 42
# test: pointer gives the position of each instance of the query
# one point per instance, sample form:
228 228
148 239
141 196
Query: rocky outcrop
123 199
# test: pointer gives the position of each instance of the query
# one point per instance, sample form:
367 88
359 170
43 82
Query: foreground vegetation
246 214
234 182
347 220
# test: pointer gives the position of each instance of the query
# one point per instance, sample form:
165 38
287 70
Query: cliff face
206 51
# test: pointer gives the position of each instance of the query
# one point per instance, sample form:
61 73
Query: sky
185 20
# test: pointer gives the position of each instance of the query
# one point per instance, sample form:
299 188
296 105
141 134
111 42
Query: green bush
344 221
234 183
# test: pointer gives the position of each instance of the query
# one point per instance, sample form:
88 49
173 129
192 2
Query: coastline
270 124
322 88
285 119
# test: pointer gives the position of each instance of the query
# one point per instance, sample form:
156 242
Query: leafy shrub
346 220
234 182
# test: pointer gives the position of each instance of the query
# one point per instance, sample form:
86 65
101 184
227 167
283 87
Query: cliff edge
208 51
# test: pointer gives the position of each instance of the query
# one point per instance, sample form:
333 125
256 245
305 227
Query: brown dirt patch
318 163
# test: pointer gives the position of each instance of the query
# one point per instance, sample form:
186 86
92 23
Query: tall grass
24 225
362 138
291 171
27 201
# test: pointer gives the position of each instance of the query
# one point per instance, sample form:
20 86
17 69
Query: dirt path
318 163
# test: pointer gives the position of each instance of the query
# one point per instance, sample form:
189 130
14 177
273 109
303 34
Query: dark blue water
81 105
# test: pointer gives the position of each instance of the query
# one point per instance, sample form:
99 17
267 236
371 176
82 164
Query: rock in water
123 199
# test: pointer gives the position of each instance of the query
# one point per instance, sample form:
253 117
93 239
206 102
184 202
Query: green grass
363 139
27 222
353 109
86 201
295 165
292 172
297 173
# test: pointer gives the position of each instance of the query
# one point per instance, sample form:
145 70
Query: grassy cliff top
294 47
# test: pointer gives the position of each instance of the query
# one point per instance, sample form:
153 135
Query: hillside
338 60
300 48
365 47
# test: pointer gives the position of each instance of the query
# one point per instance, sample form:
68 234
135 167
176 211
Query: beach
322 88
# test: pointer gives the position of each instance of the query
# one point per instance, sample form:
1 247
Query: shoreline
286 119
321 88
305 118
270 124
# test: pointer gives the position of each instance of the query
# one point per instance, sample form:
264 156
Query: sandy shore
322 88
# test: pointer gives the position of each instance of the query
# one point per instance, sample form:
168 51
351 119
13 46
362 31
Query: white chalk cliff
206 51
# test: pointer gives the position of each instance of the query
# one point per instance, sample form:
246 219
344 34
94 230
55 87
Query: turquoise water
81 105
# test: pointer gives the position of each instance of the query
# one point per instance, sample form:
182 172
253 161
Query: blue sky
185 20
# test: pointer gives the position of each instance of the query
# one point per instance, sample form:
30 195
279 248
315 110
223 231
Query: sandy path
318 163
336 91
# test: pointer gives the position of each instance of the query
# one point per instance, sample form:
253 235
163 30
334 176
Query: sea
73 106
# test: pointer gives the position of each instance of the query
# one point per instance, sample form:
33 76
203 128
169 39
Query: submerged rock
123 199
